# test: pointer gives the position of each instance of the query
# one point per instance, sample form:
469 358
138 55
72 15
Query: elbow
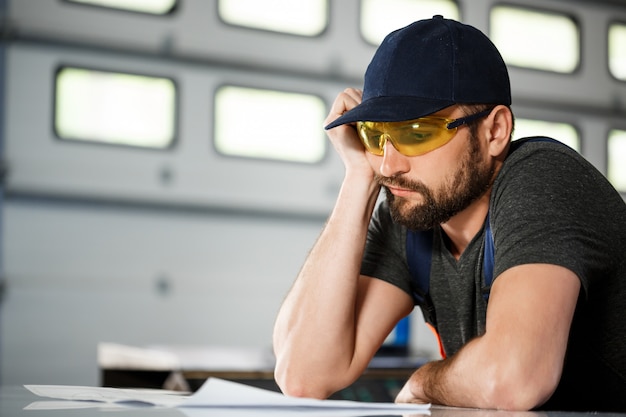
296 383
516 389
295 388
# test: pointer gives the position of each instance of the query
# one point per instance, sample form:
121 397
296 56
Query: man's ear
500 123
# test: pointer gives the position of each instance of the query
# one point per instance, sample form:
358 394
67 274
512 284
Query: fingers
344 138
404 396
346 100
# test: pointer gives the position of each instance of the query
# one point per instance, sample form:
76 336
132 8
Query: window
380 17
562 132
534 39
144 6
301 17
616 169
116 108
617 50
269 124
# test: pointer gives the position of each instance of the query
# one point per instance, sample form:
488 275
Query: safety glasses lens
413 138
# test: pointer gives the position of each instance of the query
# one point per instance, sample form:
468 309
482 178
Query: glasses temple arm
464 120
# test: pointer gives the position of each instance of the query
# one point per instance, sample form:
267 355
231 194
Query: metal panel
191 173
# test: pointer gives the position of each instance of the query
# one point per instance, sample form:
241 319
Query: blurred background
164 170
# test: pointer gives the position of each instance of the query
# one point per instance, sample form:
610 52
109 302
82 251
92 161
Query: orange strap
442 352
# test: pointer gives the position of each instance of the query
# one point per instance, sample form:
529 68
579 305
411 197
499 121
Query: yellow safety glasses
412 137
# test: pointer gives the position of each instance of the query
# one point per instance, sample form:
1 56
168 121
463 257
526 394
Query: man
432 127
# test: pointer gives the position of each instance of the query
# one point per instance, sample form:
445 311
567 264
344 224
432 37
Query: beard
472 179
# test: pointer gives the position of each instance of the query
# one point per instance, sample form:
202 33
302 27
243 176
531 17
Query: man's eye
421 135
379 140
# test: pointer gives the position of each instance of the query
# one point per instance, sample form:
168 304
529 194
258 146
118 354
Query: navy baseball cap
427 66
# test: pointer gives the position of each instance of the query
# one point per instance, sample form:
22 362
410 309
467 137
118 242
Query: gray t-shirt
548 205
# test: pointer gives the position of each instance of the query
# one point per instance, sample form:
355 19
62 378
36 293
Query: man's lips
399 191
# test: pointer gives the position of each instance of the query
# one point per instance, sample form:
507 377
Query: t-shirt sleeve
548 206
384 257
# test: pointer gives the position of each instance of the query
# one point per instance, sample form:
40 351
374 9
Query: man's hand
406 394
344 138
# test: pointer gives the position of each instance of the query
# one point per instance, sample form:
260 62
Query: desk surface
13 400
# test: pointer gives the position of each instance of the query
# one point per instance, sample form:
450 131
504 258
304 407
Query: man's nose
393 162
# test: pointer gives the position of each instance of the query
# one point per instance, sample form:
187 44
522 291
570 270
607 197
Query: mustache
401 182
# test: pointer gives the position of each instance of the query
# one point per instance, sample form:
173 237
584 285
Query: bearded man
525 257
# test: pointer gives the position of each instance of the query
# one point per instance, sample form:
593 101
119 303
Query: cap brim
390 109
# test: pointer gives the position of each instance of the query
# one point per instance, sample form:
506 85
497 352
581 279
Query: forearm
314 334
517 363
479 377
461 380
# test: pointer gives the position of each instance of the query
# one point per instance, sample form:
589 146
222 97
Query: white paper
218 394
137 397
71 405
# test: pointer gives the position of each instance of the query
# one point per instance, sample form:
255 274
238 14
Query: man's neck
462 228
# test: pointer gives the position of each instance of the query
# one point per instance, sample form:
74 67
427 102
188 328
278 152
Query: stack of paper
217 394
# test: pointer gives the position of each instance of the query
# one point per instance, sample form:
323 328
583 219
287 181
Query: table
14 399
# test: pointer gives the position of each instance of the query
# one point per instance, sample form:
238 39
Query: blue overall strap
419 248
488 259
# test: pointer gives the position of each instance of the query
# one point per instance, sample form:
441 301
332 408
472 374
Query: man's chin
414 216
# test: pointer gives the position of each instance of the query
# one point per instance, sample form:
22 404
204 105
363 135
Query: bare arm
517 363
333 320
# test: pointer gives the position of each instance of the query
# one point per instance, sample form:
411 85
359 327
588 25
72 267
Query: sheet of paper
71 405
218 393
297 412
137 397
